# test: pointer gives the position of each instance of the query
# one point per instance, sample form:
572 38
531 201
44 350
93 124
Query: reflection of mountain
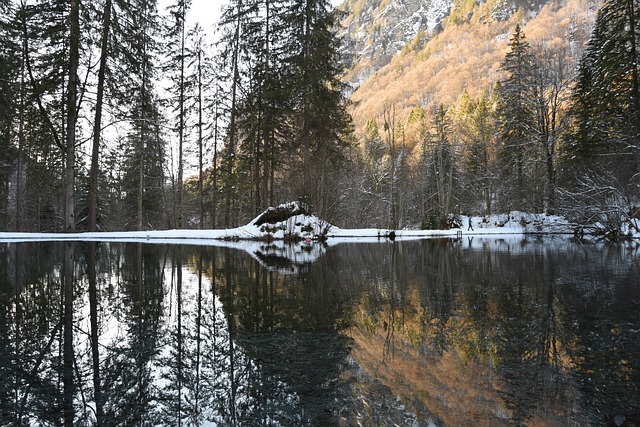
492 338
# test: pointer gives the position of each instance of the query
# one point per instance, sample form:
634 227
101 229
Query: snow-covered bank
292 222
305 227
270 236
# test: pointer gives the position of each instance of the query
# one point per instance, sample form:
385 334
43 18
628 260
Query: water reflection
433 332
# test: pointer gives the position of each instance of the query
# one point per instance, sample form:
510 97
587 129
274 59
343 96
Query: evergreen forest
123 115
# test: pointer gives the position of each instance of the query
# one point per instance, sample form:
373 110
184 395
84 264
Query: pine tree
199 76
144 157
72 117
475 130
321 120
11 101
176 69
606 102
233 19
43 37
443 169
514 117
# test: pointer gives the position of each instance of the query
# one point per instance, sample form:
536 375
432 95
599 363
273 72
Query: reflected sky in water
492 332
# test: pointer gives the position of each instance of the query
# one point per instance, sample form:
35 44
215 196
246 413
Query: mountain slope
376 30
441 55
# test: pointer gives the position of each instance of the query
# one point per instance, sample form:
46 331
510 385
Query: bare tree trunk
143 96
232 126
21 138
72 118
266 145
214 192
200 142
180 207
97 124
389 127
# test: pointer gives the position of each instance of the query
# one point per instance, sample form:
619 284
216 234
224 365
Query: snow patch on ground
293 222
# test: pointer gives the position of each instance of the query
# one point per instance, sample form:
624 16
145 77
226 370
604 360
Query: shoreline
237 235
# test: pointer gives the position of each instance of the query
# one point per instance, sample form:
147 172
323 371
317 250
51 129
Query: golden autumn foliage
465 58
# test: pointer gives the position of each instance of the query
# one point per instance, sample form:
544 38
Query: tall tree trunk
306 143
636 83
389 127
200 143
97 123
21 138
232 125
214 192
180 208
143 124
258 140
72 117
266 155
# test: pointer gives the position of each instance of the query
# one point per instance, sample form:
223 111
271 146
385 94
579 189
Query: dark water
432 332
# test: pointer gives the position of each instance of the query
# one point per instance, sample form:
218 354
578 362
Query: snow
308 228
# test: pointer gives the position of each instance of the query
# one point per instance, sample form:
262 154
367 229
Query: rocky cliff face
374 31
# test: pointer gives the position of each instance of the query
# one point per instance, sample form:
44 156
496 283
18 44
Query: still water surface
423 333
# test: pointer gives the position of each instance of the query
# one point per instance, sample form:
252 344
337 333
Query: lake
434 332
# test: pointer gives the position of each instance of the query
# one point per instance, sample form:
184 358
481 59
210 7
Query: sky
207 12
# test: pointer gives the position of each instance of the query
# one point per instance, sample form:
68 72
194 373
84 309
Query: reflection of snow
287 257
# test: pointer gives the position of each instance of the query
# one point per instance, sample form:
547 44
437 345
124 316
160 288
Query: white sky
207 12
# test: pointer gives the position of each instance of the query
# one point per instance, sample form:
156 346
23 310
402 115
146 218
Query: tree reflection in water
432 332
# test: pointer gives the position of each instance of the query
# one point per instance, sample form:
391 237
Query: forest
123 116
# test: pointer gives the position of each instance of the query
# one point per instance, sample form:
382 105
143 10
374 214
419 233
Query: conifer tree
176 69
97 124
443 168
199 76
514 118
475 130
144 157
321 120
11 100
606 100
233 19
43 34
72 117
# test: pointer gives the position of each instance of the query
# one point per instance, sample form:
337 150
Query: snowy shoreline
294 238
220 235
292 222
247 233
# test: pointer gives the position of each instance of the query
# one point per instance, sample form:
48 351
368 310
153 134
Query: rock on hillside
374 31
